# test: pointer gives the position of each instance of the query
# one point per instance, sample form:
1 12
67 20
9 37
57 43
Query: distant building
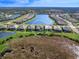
18 22
24 20
75 15
58 20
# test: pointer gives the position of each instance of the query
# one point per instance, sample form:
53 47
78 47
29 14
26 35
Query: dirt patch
41 47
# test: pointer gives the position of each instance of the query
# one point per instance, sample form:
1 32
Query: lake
6 34
41 19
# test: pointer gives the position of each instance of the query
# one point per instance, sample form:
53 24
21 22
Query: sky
39 3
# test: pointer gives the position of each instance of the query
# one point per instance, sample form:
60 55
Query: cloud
22 1
55 3
14 2
39 3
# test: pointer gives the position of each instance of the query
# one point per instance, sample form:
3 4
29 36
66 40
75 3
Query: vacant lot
41 47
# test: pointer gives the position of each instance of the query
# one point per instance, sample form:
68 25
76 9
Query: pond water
6 34
41 19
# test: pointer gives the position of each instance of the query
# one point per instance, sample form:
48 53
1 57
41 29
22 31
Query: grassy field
2 47
22 17
40 47
72 36
21 34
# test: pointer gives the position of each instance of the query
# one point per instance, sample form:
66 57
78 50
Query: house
48 27
59 20
30 27
42 27
57 28
24 20
66 29
21 27
37 28
12 27
2 27
18 22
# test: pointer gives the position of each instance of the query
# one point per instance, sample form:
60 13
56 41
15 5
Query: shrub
50 35
20 36
2 41
31 34
9 38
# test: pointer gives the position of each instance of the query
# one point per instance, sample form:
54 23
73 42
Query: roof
66 28
48 27
57 28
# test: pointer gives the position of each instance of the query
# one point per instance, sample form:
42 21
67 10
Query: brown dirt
41 47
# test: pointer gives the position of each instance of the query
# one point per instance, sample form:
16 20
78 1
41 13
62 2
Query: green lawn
20 34
2 47
21 17
72 36
28 33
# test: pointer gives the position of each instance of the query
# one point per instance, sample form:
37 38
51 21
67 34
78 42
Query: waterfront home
77 28
66 29
24 20
57 28
21 27
75 15
70 17
2 27
14 16
58 20
3 19
30 27
11 27
42 27
18 22
37 28
11 16
48 27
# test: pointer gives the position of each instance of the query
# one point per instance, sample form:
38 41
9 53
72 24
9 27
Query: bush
40 34
8 50
31 34
21 36
9 38
26 35
50 35
2 41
